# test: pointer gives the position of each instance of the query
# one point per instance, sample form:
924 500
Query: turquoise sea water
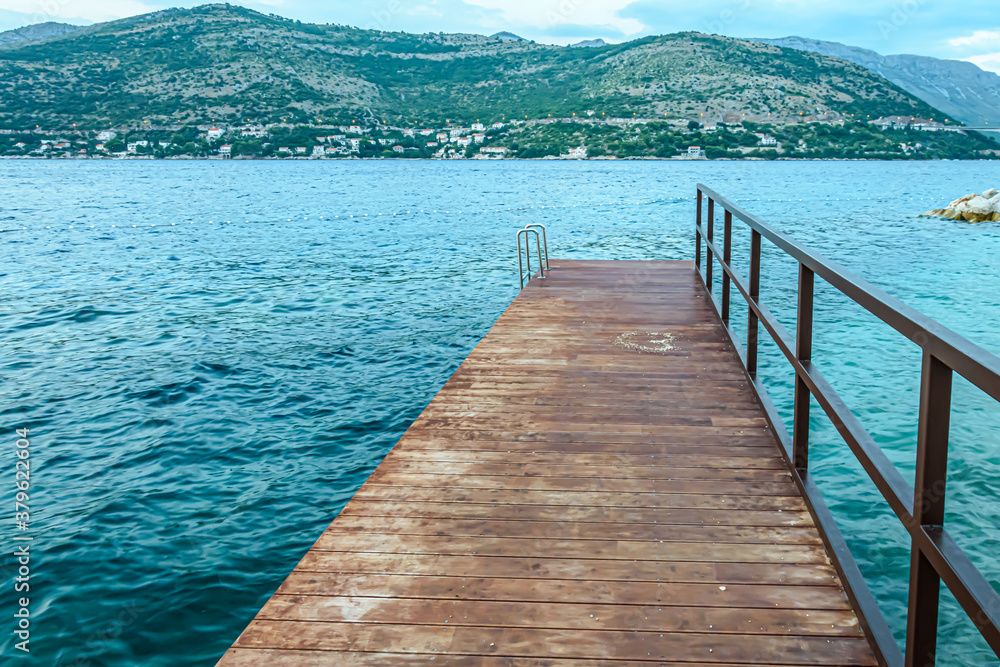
213 356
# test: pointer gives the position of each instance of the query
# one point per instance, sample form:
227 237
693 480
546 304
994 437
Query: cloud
567 33
78 11
988 61
548 15
424 9
757 18
977 38
972 47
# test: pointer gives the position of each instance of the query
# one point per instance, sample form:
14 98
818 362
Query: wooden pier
597 484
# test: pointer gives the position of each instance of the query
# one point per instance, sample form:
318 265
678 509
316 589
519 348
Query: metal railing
541 242
935 556
545 241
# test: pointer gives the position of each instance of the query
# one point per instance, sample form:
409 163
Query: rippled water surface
213 356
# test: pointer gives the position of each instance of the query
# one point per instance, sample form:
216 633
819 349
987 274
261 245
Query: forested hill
229 64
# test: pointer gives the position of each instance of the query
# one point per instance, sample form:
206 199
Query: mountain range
30 33
956 87
219 63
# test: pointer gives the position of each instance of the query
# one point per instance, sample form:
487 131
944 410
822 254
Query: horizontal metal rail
935 556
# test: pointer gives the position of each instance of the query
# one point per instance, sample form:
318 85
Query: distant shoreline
650 158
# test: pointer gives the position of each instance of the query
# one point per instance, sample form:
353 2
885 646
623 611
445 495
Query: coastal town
733 136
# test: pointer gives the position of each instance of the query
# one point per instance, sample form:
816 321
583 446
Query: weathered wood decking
567 500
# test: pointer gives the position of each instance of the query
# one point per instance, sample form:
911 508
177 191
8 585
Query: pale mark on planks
646 341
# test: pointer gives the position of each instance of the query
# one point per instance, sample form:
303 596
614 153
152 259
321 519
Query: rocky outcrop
983 207
509 37
38 31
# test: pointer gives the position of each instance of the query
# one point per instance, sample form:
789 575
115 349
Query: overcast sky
961 29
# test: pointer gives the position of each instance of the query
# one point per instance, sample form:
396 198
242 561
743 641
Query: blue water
213 356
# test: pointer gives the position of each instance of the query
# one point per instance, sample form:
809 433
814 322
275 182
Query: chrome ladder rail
545 242
542 263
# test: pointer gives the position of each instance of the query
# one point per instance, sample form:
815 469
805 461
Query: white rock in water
978 206
972 208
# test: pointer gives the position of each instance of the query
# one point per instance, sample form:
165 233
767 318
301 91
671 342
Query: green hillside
219 63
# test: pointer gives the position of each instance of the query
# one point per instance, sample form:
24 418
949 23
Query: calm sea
213 356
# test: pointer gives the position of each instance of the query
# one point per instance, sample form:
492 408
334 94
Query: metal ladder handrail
527 254
545 242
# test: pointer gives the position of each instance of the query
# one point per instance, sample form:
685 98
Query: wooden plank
603 441
565 501
664 551
674 594
733 447
602 431
546 643
580 498
643 413
661 472
624 423
489 613
577 530
494 399
517 567
388 477
564 513
246 657
605 461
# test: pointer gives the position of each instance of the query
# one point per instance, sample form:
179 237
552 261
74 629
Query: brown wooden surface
566 501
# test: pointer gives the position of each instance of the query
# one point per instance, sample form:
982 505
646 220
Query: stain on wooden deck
570 499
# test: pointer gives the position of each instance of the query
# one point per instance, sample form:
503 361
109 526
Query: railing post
708 251
727 259
803 352
697 234
754 296
928 508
